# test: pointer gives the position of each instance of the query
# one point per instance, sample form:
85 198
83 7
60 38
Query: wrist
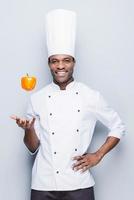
27 130
99 154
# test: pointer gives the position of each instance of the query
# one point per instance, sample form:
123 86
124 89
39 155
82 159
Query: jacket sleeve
109 118
30 113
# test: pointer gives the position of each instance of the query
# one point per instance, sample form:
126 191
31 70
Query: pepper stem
27 74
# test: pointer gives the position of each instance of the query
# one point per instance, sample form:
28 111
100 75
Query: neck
63 85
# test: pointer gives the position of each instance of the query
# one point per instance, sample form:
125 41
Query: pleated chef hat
60 32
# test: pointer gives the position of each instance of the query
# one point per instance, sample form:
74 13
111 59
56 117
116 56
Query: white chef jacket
65 122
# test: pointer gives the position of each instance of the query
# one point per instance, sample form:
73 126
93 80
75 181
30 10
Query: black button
78 110
50 113
57 172
52 133
76 92
75 149
55 152
49 96
77 130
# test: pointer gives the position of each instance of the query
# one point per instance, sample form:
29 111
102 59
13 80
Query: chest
65 106
65 109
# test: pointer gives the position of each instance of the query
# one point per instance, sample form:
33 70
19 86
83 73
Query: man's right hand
24 123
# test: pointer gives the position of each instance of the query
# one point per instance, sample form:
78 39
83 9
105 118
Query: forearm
109 144
89 160
31 140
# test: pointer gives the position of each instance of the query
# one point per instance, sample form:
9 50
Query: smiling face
61 67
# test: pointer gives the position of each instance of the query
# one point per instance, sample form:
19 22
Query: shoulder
84 88
93 95
41 93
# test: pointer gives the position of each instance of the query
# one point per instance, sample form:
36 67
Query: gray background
104 53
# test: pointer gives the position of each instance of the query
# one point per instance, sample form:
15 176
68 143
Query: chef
61 119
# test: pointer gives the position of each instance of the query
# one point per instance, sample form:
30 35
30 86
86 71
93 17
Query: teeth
61 73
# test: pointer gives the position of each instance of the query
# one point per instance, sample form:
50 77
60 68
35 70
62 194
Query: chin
61 81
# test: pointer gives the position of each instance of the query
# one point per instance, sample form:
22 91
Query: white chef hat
60 32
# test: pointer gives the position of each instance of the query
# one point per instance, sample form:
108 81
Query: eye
67 60
54 62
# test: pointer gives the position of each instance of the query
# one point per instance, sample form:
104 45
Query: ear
74 63
49 64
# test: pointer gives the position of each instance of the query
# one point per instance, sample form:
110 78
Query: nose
60 66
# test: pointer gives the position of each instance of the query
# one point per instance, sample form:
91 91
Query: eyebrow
50 59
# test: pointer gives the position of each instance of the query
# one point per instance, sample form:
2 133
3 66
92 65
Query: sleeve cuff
117 134
30 152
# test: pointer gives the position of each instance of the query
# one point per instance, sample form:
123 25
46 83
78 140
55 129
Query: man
61 122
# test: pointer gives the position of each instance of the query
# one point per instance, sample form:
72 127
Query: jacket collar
68 87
